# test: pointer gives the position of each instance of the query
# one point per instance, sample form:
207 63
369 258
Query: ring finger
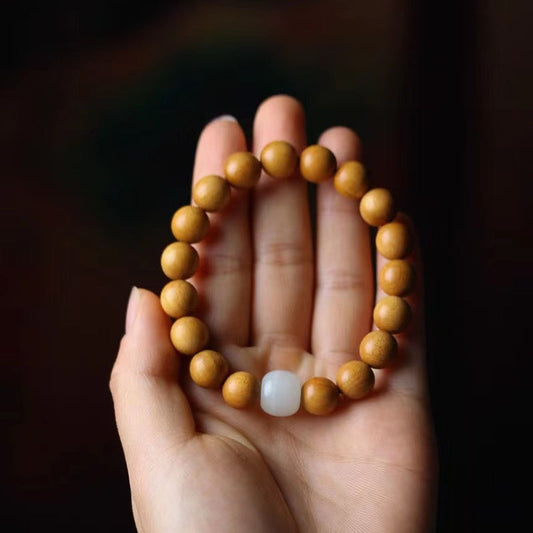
344 286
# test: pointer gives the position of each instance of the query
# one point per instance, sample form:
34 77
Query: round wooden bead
242 170
208 369
350 180
355 379
319 396
378 349
392 314
179 260
211 193
189 335
393 240
397 277
178 298
279 159
241 390
317 163
377 207
190 224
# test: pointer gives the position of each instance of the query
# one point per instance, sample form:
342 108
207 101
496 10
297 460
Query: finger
283 270
408 374
344 280
223 278
152 413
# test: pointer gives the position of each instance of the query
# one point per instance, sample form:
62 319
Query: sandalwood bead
355 379
378 349
240 390
392 314
279 159
208 369
319 396
178 298
397 277
317 163
179 260
393 240
190 224
377 207
211 193
242 170
350 180
189 335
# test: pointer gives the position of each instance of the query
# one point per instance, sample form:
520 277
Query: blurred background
101 104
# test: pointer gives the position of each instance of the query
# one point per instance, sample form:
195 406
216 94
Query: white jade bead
280 393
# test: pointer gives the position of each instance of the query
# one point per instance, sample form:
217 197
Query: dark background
101 104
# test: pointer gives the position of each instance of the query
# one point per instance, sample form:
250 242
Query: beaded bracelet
281 392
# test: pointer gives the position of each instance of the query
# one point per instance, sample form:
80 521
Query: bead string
179 261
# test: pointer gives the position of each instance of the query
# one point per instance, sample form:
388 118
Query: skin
194 463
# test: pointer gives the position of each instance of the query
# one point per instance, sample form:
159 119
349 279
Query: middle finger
283 272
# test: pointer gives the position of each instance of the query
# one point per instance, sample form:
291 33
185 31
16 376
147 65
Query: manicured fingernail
131 312
226 118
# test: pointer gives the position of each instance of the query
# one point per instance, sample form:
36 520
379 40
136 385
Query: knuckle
335 357
116 375
337 206
278 338
338 279
220 264
281 253
114 380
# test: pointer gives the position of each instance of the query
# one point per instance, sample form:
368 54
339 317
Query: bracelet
281 393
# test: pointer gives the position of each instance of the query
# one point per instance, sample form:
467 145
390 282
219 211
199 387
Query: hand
197 465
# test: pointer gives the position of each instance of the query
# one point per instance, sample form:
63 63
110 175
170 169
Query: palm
366 467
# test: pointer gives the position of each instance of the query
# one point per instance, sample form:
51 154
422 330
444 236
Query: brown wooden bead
179 260
355 379
393 240
377 207
397 277
317 163
392 314
319 396
241 390
178 298
189 335
208 369
279 159
378 349
242 170
190 224
350 180
211 193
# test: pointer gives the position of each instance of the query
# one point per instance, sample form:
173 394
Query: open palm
272 300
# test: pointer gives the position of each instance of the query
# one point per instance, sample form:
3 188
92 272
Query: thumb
152 413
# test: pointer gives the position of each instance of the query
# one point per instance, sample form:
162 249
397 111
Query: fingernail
131 312
226 118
